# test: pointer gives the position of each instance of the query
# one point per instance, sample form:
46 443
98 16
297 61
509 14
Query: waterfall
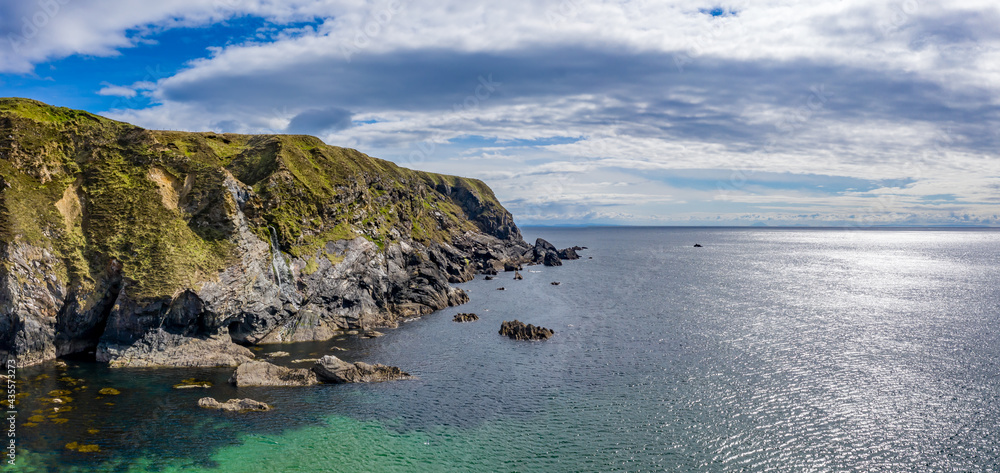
275 253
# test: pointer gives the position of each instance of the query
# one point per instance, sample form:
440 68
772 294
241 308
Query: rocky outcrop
159 348
464 317
519 331
234 405
331 369
262 373
218 239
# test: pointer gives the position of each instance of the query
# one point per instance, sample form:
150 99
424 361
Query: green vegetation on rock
100 193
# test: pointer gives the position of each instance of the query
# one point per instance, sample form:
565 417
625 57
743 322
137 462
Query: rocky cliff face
156 248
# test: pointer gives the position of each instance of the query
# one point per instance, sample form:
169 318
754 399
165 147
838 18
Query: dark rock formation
262 373
501 288
545 253
519 331
464 317
696 245
234 405
331 369
555 283
488 278
569 254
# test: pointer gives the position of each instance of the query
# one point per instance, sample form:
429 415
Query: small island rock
463 317
234 405
517 330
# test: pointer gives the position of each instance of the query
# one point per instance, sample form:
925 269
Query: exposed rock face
218 239
519 331
159 348
545 253
262 373
234 405
464 317
331 369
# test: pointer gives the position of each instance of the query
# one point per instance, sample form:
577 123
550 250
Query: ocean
763 350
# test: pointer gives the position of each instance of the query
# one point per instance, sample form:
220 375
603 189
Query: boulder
262 373
517 276
331 369
488 278
512 266
463 317
568 253
517 330
555 283
501 288
234 405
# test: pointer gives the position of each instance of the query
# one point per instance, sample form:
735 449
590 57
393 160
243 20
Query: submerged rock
517 330
234 405
555 283
192 383
331 369
501 288
262 373
697 245
463 317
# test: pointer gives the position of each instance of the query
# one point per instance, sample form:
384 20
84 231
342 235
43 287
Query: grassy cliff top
94 190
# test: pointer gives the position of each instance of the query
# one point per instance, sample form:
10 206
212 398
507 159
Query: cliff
163 248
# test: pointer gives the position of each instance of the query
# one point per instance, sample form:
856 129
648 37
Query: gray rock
331 369
262 373
234 405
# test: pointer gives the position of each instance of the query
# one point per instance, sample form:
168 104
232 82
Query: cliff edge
163 248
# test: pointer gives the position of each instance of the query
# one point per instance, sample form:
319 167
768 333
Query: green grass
310 192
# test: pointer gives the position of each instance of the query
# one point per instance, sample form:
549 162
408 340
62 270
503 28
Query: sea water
763 350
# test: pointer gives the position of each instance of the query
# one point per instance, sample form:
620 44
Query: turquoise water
768 349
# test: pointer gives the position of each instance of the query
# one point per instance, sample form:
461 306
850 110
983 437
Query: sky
829 113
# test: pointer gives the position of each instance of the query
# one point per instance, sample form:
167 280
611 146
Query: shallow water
768 349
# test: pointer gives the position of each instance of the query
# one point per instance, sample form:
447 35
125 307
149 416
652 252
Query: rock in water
463 317
697 245
488 278
517 276
545 253
331 369
501 288
555 283
234 405
262 373
519 331
568 253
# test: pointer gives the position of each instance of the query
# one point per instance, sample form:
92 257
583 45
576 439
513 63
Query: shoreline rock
262 373
331 369
517 330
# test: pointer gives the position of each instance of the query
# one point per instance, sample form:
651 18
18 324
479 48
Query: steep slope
161 248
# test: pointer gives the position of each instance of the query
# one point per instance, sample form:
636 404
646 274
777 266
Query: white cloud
117 91
592 94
